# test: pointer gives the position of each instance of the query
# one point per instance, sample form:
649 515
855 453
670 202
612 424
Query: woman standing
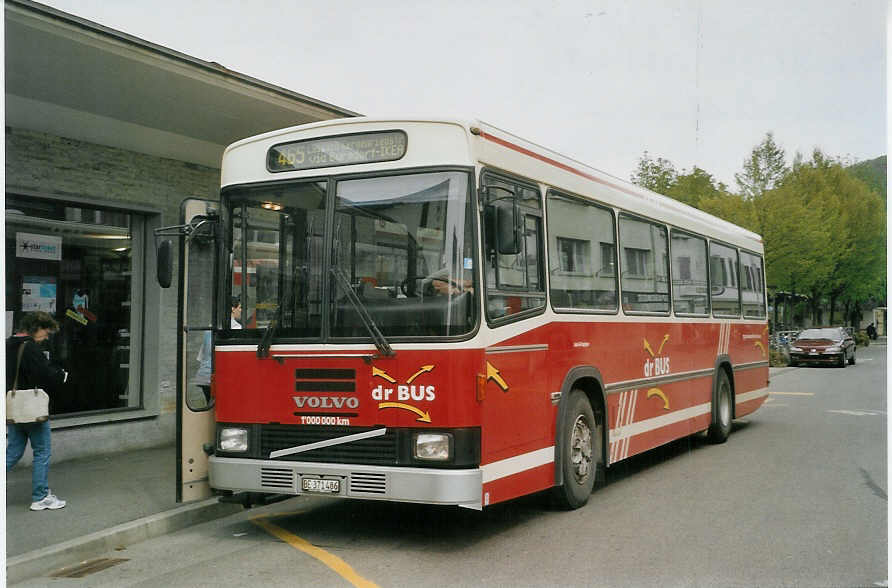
34 371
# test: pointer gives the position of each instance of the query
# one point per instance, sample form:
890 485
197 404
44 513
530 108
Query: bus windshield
404 243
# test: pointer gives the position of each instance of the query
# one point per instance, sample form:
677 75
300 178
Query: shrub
861 339
778 358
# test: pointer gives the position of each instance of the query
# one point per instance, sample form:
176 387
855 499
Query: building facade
106 135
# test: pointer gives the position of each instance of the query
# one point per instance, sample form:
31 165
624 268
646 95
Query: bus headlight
795 348
433 446
232 439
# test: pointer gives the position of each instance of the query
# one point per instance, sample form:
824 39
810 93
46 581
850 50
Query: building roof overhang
74 78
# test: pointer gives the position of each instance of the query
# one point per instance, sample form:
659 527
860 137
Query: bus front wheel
580 453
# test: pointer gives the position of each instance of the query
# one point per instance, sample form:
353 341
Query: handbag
31 405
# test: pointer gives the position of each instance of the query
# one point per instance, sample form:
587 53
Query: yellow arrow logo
658 392
648 349
382 374
493 374
424 369
760 346
424 417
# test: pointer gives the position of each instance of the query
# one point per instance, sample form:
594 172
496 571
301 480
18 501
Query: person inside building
34 370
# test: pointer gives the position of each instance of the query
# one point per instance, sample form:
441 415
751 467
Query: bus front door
195 347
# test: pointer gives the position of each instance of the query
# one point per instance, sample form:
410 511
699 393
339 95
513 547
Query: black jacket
36 371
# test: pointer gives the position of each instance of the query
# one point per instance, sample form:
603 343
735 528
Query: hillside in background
873 173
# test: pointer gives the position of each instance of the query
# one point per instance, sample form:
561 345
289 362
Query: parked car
831 345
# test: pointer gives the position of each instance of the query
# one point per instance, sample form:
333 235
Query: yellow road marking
278 515
792 393
338 565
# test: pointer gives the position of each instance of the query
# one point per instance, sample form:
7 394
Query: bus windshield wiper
270 332
381 343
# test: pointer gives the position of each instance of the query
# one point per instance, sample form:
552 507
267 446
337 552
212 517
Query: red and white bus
449 314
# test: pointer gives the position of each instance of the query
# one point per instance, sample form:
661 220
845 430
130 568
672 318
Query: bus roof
483 144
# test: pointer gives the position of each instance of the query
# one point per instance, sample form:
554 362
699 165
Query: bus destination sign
340 150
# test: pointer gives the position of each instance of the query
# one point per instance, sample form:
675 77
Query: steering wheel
452 283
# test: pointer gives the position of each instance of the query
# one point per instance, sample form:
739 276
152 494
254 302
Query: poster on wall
39 293
34 246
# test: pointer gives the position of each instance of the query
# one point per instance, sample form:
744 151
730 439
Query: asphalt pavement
113 500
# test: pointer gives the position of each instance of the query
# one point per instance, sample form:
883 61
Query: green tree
835 226
691 188
860 270
732 208
763 169
654 174
797 243
873 173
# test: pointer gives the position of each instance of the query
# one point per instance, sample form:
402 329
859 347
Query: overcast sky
696 82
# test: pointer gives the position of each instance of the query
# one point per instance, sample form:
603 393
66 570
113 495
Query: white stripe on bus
517 464
751 395
678 416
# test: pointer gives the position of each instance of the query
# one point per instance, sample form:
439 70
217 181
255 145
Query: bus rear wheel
721 416
580 453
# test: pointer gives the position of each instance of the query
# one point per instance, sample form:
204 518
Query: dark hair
32 321
235 302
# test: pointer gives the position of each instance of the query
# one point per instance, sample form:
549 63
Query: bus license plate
320 486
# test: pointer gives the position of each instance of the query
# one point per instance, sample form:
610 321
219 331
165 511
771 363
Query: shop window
81 265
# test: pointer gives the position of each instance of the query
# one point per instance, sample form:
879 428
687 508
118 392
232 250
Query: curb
40 561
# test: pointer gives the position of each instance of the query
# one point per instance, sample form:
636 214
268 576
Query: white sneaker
50 502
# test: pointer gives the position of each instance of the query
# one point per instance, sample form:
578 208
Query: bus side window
644 269
514 281
723 280
752 289
690 290
582 255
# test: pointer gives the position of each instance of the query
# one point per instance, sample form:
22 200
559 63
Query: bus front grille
277 478
368 483
381 450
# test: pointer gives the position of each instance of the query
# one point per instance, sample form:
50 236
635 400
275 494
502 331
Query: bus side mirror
165 263
508 232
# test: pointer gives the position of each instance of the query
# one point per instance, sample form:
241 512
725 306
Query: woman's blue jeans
16 438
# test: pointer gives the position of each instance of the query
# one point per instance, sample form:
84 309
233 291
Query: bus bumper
421 485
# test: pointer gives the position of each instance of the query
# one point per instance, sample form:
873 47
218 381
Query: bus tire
581 453
721 416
